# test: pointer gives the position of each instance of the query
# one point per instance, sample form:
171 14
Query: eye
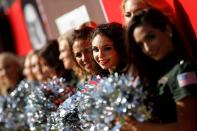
127 14
95 49
78 55
150 37
33 65
45 64
107 48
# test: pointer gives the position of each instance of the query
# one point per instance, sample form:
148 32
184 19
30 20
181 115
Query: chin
88 70
156 58
67 67
159 58
104 67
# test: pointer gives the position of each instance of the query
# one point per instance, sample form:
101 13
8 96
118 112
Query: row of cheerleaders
99 104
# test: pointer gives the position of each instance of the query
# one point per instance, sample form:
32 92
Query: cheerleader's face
132 6
104 53
36 69
83 55
66 54
153 42
27 71
9 74
47 71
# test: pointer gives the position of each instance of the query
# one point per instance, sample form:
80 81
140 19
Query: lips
154 52
87 66
103 62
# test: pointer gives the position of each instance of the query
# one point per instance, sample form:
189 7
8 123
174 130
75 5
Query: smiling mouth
103 62
154 52
87 66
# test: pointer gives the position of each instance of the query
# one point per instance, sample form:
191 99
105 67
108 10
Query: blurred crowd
90 70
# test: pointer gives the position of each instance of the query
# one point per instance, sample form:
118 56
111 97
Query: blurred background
28 24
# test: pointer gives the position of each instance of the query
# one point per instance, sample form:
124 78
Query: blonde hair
82 31
161 5
7 58
67 36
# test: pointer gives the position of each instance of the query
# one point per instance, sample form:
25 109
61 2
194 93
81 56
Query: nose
2 72
24 71
85 57
146 47
61 56
101 54
132 14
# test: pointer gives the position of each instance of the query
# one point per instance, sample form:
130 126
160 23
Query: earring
170 34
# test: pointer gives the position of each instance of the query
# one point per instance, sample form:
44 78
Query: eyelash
150 37
127 14
95 49
107 48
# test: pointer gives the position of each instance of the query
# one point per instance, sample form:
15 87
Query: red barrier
113 10
21 38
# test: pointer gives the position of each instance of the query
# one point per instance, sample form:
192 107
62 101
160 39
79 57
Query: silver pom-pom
112 98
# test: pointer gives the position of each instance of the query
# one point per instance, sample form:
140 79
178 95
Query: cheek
44 69
95 56
66 61
67 55
37 69
26 71
78 60
112 53
127 19
115 59
34 70
144 50
62 54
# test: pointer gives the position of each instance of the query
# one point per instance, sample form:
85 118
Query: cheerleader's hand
128 125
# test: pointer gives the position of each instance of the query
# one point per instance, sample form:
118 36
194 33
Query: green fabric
178 92
168 92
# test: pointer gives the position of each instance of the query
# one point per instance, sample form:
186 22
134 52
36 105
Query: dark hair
144 65
116 33
50 52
